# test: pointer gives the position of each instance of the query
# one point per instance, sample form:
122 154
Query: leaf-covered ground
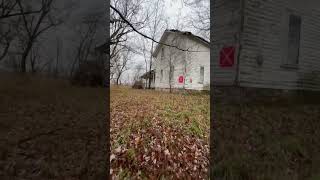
159 135
50 130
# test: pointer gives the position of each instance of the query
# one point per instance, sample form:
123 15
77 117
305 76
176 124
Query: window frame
171 73
286 62
161 75
162 54
201 75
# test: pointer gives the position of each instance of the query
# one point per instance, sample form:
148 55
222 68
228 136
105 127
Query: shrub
138 85
89 73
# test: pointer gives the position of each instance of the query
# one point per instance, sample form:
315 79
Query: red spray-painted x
227 56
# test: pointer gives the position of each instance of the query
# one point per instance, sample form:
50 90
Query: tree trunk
25 55
150 66
118 79
57 59
24 60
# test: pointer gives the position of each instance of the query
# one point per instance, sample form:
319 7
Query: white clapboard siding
265 34
225 24
186 64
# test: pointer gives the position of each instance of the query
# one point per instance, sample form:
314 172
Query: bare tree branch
145 36
7 10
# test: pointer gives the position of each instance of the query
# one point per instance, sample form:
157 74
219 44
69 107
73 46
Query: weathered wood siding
225 24
198 59
265 34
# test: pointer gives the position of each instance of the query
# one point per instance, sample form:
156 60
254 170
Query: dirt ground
158 135
50 130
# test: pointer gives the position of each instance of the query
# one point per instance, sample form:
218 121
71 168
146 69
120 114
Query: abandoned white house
185 64
266 44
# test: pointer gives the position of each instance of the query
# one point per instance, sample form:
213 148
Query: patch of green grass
194 119
195 129
143 175
123 137
131 154
315 177
124 174
293 146
145 123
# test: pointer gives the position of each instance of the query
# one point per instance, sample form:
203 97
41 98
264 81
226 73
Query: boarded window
162 54
294 39
171 73
161 75
201 79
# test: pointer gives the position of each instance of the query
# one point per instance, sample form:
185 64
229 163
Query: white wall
265 34
198 59
186 64
226 32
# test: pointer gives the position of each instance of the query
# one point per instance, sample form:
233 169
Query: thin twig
145 36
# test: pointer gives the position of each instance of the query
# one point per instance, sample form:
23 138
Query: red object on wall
227 56
190 80
181 79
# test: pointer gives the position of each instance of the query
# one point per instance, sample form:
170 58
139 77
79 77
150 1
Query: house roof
185 33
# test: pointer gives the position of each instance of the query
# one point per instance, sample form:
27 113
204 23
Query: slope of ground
50 130
158 135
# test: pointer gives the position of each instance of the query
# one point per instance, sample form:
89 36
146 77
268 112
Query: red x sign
227 56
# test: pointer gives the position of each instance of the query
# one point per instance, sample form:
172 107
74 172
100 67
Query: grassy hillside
268 139
50 130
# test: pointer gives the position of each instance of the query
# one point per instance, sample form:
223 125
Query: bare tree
34 58
200 16
171 59
121 65
5 41
8 25
34 25
119 28
155 27
143 34
87 37
144 51
10 9
58 52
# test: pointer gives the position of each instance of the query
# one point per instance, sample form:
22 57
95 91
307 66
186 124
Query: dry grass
50 130
266 141
158 135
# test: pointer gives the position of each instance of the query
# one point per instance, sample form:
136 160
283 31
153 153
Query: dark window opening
294 40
